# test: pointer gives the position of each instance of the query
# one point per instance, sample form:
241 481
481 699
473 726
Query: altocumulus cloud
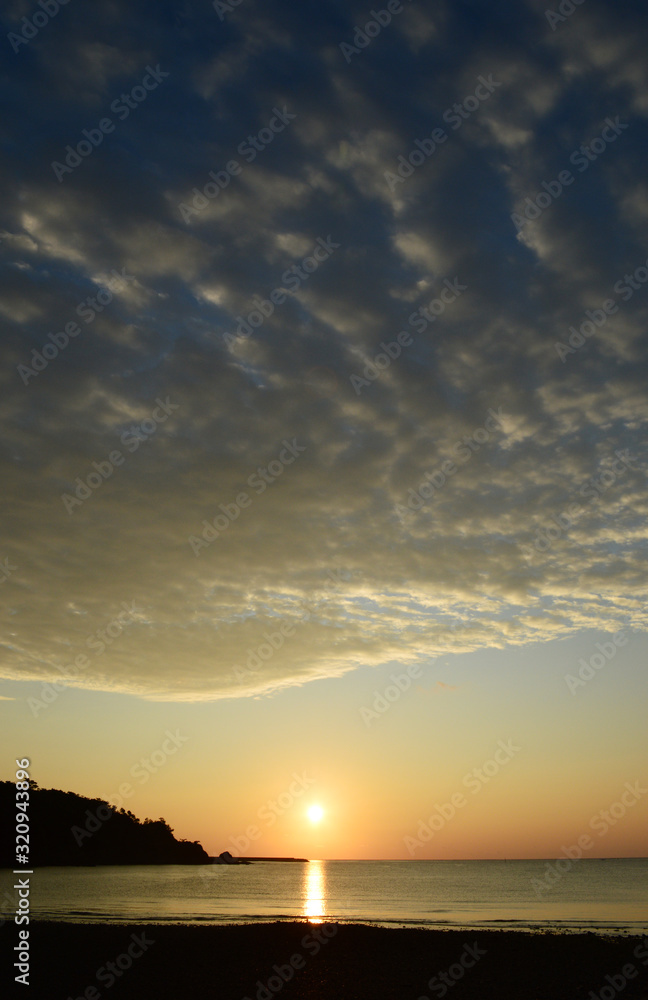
399 577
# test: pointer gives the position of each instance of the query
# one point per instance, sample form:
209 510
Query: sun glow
315 813
314 890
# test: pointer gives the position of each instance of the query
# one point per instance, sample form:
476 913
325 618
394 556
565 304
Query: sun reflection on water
314 892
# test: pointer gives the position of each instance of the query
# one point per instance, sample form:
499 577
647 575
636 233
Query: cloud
329 549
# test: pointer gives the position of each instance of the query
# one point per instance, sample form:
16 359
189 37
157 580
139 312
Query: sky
324 410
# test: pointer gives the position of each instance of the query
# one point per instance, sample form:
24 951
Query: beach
327 961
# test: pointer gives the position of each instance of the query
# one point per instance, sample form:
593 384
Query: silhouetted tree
70 829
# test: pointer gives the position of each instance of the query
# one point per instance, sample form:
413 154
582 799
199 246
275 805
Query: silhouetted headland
70 829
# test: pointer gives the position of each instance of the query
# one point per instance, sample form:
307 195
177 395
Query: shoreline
327 961
612 930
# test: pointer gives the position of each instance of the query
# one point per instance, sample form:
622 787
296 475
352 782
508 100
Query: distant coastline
225 858
279 859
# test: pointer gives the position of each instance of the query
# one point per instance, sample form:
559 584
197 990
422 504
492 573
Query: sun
315 813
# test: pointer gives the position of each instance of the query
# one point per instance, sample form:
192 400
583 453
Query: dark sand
356 963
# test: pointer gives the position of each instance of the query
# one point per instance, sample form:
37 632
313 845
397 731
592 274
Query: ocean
602 895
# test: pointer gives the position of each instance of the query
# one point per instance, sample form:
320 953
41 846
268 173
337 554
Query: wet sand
297 961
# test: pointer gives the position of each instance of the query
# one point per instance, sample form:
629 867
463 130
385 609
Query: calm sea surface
606 895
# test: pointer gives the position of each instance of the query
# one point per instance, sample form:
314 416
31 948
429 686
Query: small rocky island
225 858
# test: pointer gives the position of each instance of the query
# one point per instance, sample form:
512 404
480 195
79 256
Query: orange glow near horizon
299 785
